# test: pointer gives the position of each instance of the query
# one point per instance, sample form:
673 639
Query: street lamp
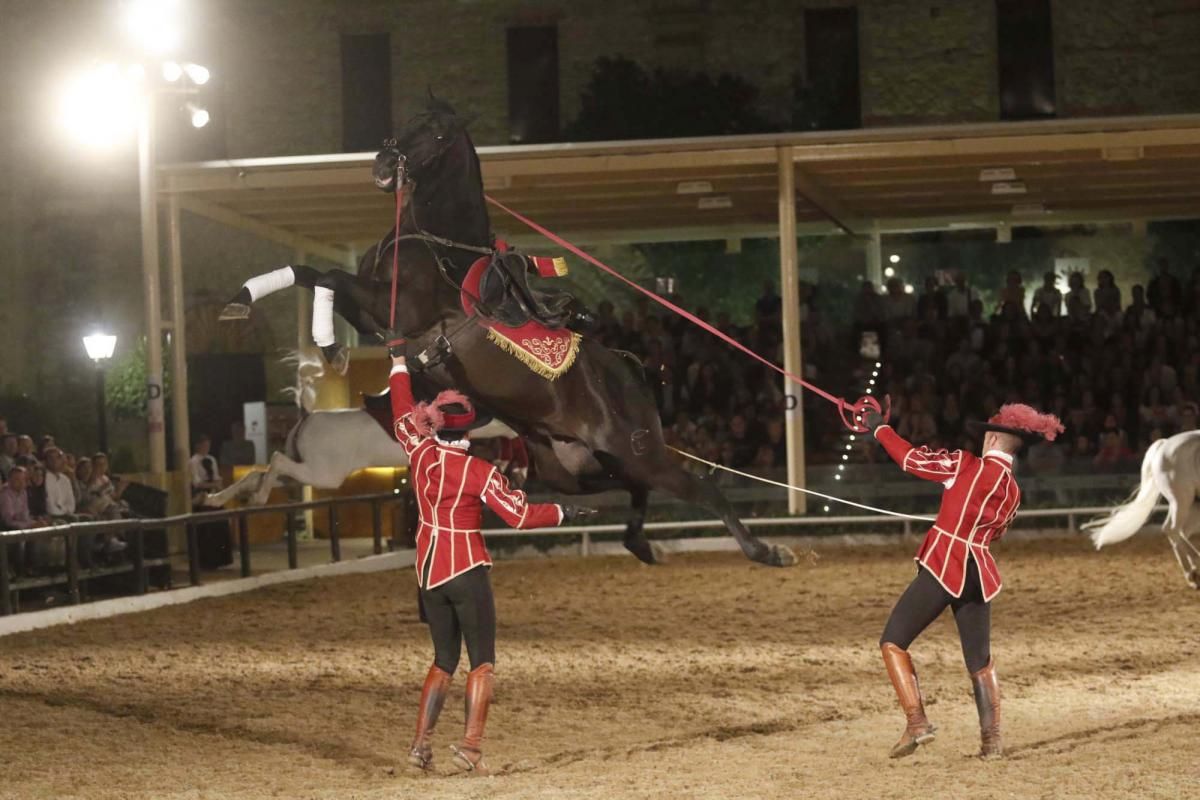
107 103
100 347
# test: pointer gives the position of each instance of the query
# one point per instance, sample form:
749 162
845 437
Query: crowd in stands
41 485
1119 374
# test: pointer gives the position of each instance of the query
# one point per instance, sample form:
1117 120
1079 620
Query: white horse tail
309 370
1128 518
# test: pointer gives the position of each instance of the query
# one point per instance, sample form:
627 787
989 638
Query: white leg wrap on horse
322 323
262 285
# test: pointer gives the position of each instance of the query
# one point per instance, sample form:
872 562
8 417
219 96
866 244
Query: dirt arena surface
706 678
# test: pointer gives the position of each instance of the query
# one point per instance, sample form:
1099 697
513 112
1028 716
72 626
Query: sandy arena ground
707 678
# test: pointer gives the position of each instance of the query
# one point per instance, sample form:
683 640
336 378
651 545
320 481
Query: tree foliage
125 383
623 100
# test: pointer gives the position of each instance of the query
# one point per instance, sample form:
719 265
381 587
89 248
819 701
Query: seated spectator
959 297
1081 455
8 455
14 502
898 305
103 496
918 425
1107 295
742 444
1079 299
1048 296
60 490
36 492
1113 453
1187 417
931 301
205 473
1164 290
25 447
1046 458
1012 296
82 475
768 309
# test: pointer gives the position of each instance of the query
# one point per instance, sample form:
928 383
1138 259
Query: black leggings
925 599
462 608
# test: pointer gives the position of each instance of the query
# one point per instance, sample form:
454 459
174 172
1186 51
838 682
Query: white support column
789 292
304 344
303 310
875 260
179 374
151 290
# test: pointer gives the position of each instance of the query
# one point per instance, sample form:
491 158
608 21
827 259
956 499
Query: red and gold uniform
979 503
451 487
955 568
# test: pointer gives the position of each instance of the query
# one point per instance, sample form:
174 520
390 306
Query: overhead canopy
865 181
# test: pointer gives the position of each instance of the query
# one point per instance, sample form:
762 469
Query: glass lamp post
100 347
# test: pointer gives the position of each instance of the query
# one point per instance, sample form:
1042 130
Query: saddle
507 297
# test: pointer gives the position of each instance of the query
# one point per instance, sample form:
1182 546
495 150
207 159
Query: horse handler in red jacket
955 568
452 564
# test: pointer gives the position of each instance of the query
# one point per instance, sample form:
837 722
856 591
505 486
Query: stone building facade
69 248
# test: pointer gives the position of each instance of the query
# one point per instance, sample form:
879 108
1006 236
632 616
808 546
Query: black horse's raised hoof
781 556
233 311
646 551
338 357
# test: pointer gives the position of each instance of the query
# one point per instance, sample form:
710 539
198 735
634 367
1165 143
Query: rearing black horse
595 427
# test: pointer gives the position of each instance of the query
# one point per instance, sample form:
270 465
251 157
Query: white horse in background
324 447
1171 468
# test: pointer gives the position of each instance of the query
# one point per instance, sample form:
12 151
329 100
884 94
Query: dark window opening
366 90
829 99
533 84
1025 55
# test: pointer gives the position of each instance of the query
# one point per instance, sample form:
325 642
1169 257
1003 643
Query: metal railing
135 530
140 564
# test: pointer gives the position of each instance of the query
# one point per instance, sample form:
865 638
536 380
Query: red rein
851 413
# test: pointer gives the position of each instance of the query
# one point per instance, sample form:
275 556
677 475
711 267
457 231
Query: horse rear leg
663 473
247 485
635 540
1180 505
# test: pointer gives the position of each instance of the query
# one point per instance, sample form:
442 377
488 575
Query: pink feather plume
1022 417
428 418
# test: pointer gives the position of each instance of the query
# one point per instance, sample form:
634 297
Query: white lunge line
322 322
268 283
761 479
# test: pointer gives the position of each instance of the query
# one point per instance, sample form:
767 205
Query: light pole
102 104
100 347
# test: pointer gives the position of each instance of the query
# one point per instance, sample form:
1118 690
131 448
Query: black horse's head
425 139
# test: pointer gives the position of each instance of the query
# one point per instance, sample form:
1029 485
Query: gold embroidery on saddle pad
548 355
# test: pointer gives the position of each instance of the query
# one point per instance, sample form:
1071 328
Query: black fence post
193 550
73 566
5 591
244 545
139 559
377 526
293 560
335 543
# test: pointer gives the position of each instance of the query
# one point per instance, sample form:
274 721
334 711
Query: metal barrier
140 564
137 529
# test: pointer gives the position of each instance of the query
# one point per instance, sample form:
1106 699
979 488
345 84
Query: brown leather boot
987 702
918 730
468 756
433 697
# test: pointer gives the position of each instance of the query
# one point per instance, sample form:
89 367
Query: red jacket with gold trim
451 488
979 503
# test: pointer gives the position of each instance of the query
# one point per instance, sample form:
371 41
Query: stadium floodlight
153 24
199 116
909 288
99 106
888 272
197 74
171 71
894 258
